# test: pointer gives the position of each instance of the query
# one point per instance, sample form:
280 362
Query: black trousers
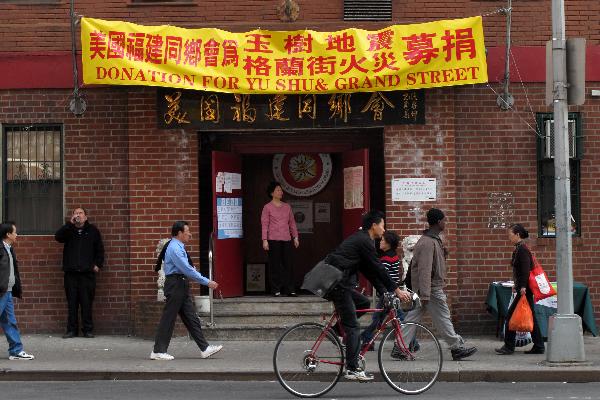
346 302
536 335
80 289
281 276
177 292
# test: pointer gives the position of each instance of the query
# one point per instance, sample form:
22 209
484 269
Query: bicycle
309 358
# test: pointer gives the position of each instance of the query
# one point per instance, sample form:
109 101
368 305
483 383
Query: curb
555 375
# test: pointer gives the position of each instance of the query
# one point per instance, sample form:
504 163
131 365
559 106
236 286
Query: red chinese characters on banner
192 52
97 45
135 46
289 66
321 65
462 42
230 53
211 53
173 45
154 49
353 63
257 43
258 66
343 43
298 44
380 40
420 48
116 45
384 61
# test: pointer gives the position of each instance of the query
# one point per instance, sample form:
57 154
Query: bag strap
534 260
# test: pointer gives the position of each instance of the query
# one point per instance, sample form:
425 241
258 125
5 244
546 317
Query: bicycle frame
390 317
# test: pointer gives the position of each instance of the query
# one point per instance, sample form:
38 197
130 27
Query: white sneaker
210 350
21 356
357 375
161 356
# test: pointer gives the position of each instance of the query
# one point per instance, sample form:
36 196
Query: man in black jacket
83 256
358 253
10 286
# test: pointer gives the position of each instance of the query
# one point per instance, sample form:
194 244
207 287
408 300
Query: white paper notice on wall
414 189
219 182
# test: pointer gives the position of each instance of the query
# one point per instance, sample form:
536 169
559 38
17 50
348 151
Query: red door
227 224
356 195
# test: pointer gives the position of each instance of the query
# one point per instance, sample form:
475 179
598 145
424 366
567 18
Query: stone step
275 318
272 305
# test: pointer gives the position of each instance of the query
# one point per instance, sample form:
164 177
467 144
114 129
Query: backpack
161 258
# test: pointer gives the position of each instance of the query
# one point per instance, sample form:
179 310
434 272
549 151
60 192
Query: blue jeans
8 322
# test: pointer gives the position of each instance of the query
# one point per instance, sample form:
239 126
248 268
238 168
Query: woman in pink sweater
278 231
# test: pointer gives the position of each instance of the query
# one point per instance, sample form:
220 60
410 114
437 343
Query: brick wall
496 152
46 28
163 187
95 176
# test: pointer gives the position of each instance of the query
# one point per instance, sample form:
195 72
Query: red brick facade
136 179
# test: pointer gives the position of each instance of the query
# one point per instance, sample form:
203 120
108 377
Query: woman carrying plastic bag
522 339
521 263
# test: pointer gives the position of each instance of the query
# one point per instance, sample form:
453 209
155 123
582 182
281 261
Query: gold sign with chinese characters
398 57
222 111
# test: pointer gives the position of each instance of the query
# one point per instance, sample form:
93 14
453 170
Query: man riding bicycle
357 253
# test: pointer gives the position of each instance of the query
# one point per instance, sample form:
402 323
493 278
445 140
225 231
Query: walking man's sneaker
463 352
210 350
21 356
161 356
504 351
357 375
535 350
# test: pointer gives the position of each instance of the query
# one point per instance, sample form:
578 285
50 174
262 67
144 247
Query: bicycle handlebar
391 301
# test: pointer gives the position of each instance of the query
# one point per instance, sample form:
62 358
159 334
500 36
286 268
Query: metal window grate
367 10
33 175
549 138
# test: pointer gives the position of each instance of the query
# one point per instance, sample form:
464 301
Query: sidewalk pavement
127 358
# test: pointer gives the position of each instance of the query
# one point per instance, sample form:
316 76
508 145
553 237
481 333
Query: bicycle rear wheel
410 366
305 365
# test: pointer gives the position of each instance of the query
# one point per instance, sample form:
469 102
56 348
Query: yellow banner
399 57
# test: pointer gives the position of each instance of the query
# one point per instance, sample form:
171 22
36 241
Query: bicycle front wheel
410 360
308 361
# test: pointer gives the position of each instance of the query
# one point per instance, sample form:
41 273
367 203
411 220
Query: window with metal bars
367 10
545 172
32 173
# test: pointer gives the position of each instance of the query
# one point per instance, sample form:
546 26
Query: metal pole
210 277
565 334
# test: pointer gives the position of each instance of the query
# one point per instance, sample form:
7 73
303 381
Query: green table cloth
498 298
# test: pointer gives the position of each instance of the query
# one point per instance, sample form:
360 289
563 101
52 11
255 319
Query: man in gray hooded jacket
428 278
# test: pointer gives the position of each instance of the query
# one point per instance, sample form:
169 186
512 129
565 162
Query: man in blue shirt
178 271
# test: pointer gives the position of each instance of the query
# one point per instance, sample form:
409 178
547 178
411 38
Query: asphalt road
160 390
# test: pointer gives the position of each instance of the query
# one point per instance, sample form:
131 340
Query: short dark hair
370 218
392 239
85 211
178 226
6 227
434 215
271 188
520 230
